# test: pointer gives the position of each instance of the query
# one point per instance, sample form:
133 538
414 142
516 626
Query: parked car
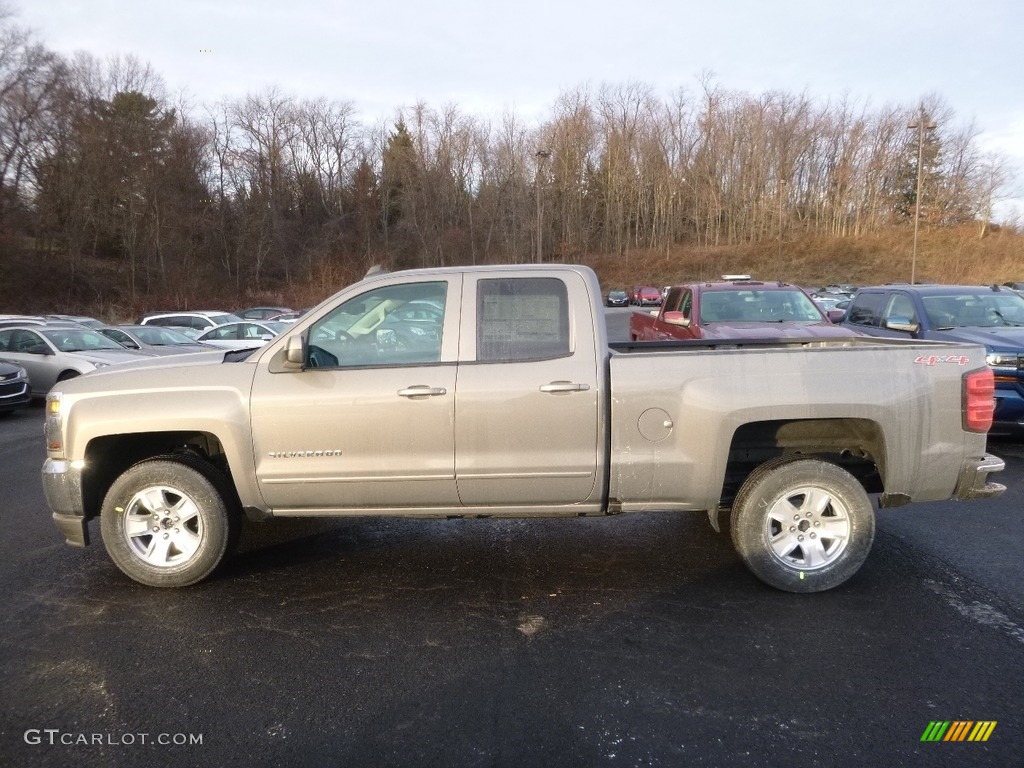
53 353
645 296
830 306
154 339
198 321
842 290
617 299
734 310
10 321
991 316
14 387
242 335
88 322
290 317
262 313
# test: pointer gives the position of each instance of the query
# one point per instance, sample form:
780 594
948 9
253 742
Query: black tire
168 521
802 525
65 375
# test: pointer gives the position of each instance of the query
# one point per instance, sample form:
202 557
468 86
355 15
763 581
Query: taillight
979 396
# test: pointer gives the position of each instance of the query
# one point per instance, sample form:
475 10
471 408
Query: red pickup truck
734 310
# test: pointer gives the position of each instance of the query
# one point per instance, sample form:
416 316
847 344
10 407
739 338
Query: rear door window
520 319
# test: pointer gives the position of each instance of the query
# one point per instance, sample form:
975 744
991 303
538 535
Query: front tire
166 522
802 525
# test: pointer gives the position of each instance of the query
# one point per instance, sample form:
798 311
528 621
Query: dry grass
33 284
946 256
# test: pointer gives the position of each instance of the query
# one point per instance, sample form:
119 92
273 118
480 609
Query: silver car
155 339
52 353
243 335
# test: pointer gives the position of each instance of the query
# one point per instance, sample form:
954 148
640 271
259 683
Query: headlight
53 426
100 365
1002 360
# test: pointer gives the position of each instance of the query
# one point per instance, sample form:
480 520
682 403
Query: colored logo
933 359
958 730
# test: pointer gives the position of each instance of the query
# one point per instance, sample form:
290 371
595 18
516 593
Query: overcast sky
489 58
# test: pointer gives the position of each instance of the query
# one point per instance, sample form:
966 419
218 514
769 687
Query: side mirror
39 349
902 324
676 318
295 352
265 337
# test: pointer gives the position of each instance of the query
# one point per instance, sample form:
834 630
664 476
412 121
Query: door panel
527 403
369 423
348 438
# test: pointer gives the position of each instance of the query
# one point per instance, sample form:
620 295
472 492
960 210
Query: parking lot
631 640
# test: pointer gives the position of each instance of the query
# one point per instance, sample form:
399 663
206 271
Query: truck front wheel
802 525
166 523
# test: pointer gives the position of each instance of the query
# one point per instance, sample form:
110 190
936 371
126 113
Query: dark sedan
14 389
617 299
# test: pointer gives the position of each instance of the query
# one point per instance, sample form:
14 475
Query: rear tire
168 521
802 525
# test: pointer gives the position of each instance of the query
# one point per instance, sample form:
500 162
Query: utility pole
542 155
782 189
921 125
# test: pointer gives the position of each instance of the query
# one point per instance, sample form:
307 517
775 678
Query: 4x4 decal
934 359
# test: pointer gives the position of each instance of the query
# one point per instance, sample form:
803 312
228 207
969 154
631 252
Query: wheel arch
857 445
107 457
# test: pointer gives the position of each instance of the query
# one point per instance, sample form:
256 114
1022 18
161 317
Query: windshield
73 340
975 310
753 306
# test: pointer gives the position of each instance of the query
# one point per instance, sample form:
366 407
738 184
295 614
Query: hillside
30 283
946 256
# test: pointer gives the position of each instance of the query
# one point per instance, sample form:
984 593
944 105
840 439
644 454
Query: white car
197 321
243 335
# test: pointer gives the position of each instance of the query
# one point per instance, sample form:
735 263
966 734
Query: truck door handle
421 390
564 386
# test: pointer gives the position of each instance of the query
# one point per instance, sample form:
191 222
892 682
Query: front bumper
14 395
1009 414
973 482
62 486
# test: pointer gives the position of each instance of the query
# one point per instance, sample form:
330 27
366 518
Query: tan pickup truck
493 392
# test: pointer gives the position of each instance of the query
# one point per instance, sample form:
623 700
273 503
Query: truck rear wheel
166 522
802 525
